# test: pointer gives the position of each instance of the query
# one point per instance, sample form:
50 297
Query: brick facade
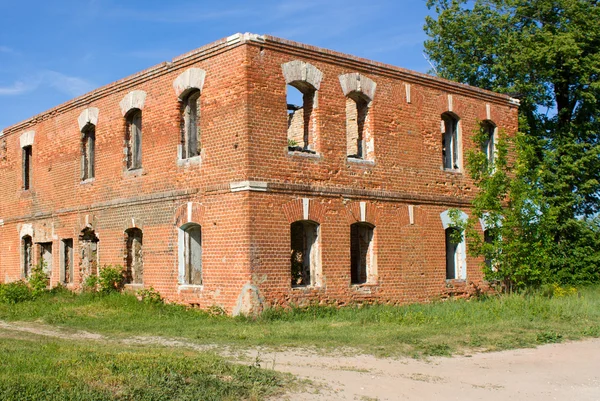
247 187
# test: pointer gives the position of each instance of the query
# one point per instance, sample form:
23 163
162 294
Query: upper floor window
357 108
301 126
133 139
359 91
27 154
190 122
450 142
488 146
88 151
303 82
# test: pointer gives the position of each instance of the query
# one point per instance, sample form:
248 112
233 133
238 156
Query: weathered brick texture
247 187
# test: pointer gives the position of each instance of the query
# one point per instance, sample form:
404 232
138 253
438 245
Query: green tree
546 53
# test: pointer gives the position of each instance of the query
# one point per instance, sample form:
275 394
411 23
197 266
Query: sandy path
569 371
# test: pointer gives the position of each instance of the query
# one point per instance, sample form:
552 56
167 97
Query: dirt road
569 371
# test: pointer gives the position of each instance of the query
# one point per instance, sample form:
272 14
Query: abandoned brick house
210 181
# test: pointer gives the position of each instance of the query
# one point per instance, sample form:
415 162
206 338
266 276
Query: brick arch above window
133 222
190 79
355 82
304 209
26 138
363 212
447 220
88 116
133 100
189 212
300 71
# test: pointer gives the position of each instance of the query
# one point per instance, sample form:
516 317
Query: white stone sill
196 160
364 162
296 153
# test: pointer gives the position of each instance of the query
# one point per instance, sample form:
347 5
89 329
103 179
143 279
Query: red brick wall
244 137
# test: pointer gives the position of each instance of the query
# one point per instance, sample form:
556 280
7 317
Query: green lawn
440 328
36 368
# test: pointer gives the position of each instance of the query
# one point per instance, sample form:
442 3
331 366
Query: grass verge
441 328
37 368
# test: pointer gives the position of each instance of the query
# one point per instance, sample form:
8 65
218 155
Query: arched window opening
27 255
134 264
489 146
455 254
66 261
88 150
488 238
133 139
450 139
190 133
300 104
361 252
191 254
45 254
357 109
305 256
88 245
27 155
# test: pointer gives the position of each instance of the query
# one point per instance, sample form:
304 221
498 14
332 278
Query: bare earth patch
568 371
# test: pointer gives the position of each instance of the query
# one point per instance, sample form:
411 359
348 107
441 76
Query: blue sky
51 52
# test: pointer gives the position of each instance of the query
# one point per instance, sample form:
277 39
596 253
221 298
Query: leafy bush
15 292
149 296
111 279
38 280
90 284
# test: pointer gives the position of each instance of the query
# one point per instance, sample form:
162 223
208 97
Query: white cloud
5 49
17 88
69 85
72 86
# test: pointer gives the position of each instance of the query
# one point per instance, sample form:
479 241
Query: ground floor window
26 255
455 255
134 265
190 254
305 256
361 252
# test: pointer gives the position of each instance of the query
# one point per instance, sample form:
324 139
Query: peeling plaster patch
192 78
363 211
88 116
488 113
189 212
305 206
26 229
450 103
407 86
1 222
249 301
26 138
133 100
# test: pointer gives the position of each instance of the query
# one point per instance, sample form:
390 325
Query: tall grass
439 328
